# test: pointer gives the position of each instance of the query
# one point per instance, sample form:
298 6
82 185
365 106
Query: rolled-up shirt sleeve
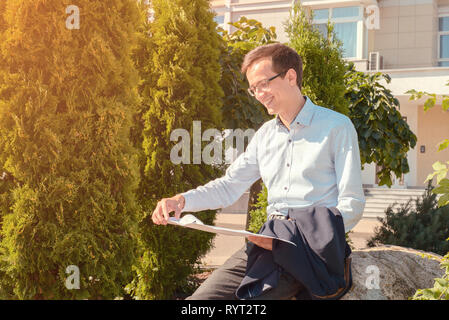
224 191
351 198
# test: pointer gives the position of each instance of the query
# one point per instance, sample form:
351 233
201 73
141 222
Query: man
308 156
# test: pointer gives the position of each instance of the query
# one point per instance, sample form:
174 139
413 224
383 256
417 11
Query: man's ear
291 76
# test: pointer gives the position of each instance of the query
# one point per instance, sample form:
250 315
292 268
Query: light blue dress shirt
315 163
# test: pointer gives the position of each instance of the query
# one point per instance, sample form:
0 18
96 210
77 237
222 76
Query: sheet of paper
190 221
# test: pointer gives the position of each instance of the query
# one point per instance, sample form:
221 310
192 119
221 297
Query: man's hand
265 243
165 206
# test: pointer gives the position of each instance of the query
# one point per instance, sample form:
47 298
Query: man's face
273 95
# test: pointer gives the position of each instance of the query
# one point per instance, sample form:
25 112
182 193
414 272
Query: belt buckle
277 216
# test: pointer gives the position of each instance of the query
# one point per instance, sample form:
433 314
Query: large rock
391 273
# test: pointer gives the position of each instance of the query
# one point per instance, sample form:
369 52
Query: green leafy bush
423 226
384 137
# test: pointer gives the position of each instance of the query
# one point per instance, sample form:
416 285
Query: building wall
407 37
433 127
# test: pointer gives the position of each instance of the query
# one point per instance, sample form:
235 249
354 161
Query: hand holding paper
161 213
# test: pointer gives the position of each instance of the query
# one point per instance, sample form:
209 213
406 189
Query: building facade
407 39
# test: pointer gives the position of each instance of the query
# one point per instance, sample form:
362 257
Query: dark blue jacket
320 260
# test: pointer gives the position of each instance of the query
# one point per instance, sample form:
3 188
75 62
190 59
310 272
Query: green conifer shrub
178 60
423 226
66 101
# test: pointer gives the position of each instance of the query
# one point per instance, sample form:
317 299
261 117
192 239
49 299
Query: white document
190 221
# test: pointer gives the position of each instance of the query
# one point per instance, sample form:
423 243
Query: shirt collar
304 117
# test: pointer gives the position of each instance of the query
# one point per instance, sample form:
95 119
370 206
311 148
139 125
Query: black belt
277 216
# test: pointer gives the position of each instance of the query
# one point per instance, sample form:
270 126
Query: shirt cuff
188 201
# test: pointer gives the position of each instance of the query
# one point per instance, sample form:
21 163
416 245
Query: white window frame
441 33
360 26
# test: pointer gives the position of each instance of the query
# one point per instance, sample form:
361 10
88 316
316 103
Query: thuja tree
178 58
67 94
2 20
4 184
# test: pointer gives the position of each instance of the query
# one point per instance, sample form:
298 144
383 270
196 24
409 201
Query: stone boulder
391 273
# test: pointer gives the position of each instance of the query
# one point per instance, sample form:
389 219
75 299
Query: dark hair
283 57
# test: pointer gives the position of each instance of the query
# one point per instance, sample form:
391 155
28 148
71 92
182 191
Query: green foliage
384 137
258 216
66 100
248 35
323 64
241 110
423 226
440 171
431 98
178 60
440 290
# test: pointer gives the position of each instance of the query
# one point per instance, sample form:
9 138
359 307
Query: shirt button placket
289 157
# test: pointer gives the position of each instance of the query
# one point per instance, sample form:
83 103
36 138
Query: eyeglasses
262 85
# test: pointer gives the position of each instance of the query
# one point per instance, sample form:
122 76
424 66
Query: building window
443 41
219 20
348 24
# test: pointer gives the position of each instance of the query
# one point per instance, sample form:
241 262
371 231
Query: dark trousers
223 282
